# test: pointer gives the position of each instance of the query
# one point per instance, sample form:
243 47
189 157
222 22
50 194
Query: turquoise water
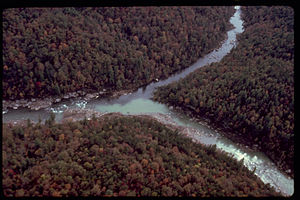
136 106
139 102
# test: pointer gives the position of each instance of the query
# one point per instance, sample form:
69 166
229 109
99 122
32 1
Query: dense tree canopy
118 156
251 91
52 51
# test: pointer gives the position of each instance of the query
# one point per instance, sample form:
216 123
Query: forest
250 93
118 155
53 51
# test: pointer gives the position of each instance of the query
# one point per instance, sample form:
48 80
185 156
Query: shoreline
77 114
88 94
41 103
236 138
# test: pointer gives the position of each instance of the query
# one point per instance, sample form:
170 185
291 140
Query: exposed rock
66 96
23 101
73 94
81 92
36 104
80 114
90 96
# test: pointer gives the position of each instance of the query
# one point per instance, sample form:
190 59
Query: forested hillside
53 51
117 156
250 93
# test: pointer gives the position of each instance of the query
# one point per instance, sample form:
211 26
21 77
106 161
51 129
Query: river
139 102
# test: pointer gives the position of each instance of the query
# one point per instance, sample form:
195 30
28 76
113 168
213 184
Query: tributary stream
139 102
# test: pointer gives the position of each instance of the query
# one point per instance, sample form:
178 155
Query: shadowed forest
250 93
53 51
118 156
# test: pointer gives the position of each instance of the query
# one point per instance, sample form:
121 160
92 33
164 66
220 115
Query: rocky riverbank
190 132
197 135
80 114
41 103
236 137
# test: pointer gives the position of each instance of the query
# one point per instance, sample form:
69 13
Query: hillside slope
250 93
54 51
118 155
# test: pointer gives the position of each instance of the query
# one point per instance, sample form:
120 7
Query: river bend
139 102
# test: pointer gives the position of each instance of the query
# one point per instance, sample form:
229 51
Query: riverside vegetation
56 51
250 93
76 48
117 155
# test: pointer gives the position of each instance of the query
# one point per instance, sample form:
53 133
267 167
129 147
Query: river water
139 102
